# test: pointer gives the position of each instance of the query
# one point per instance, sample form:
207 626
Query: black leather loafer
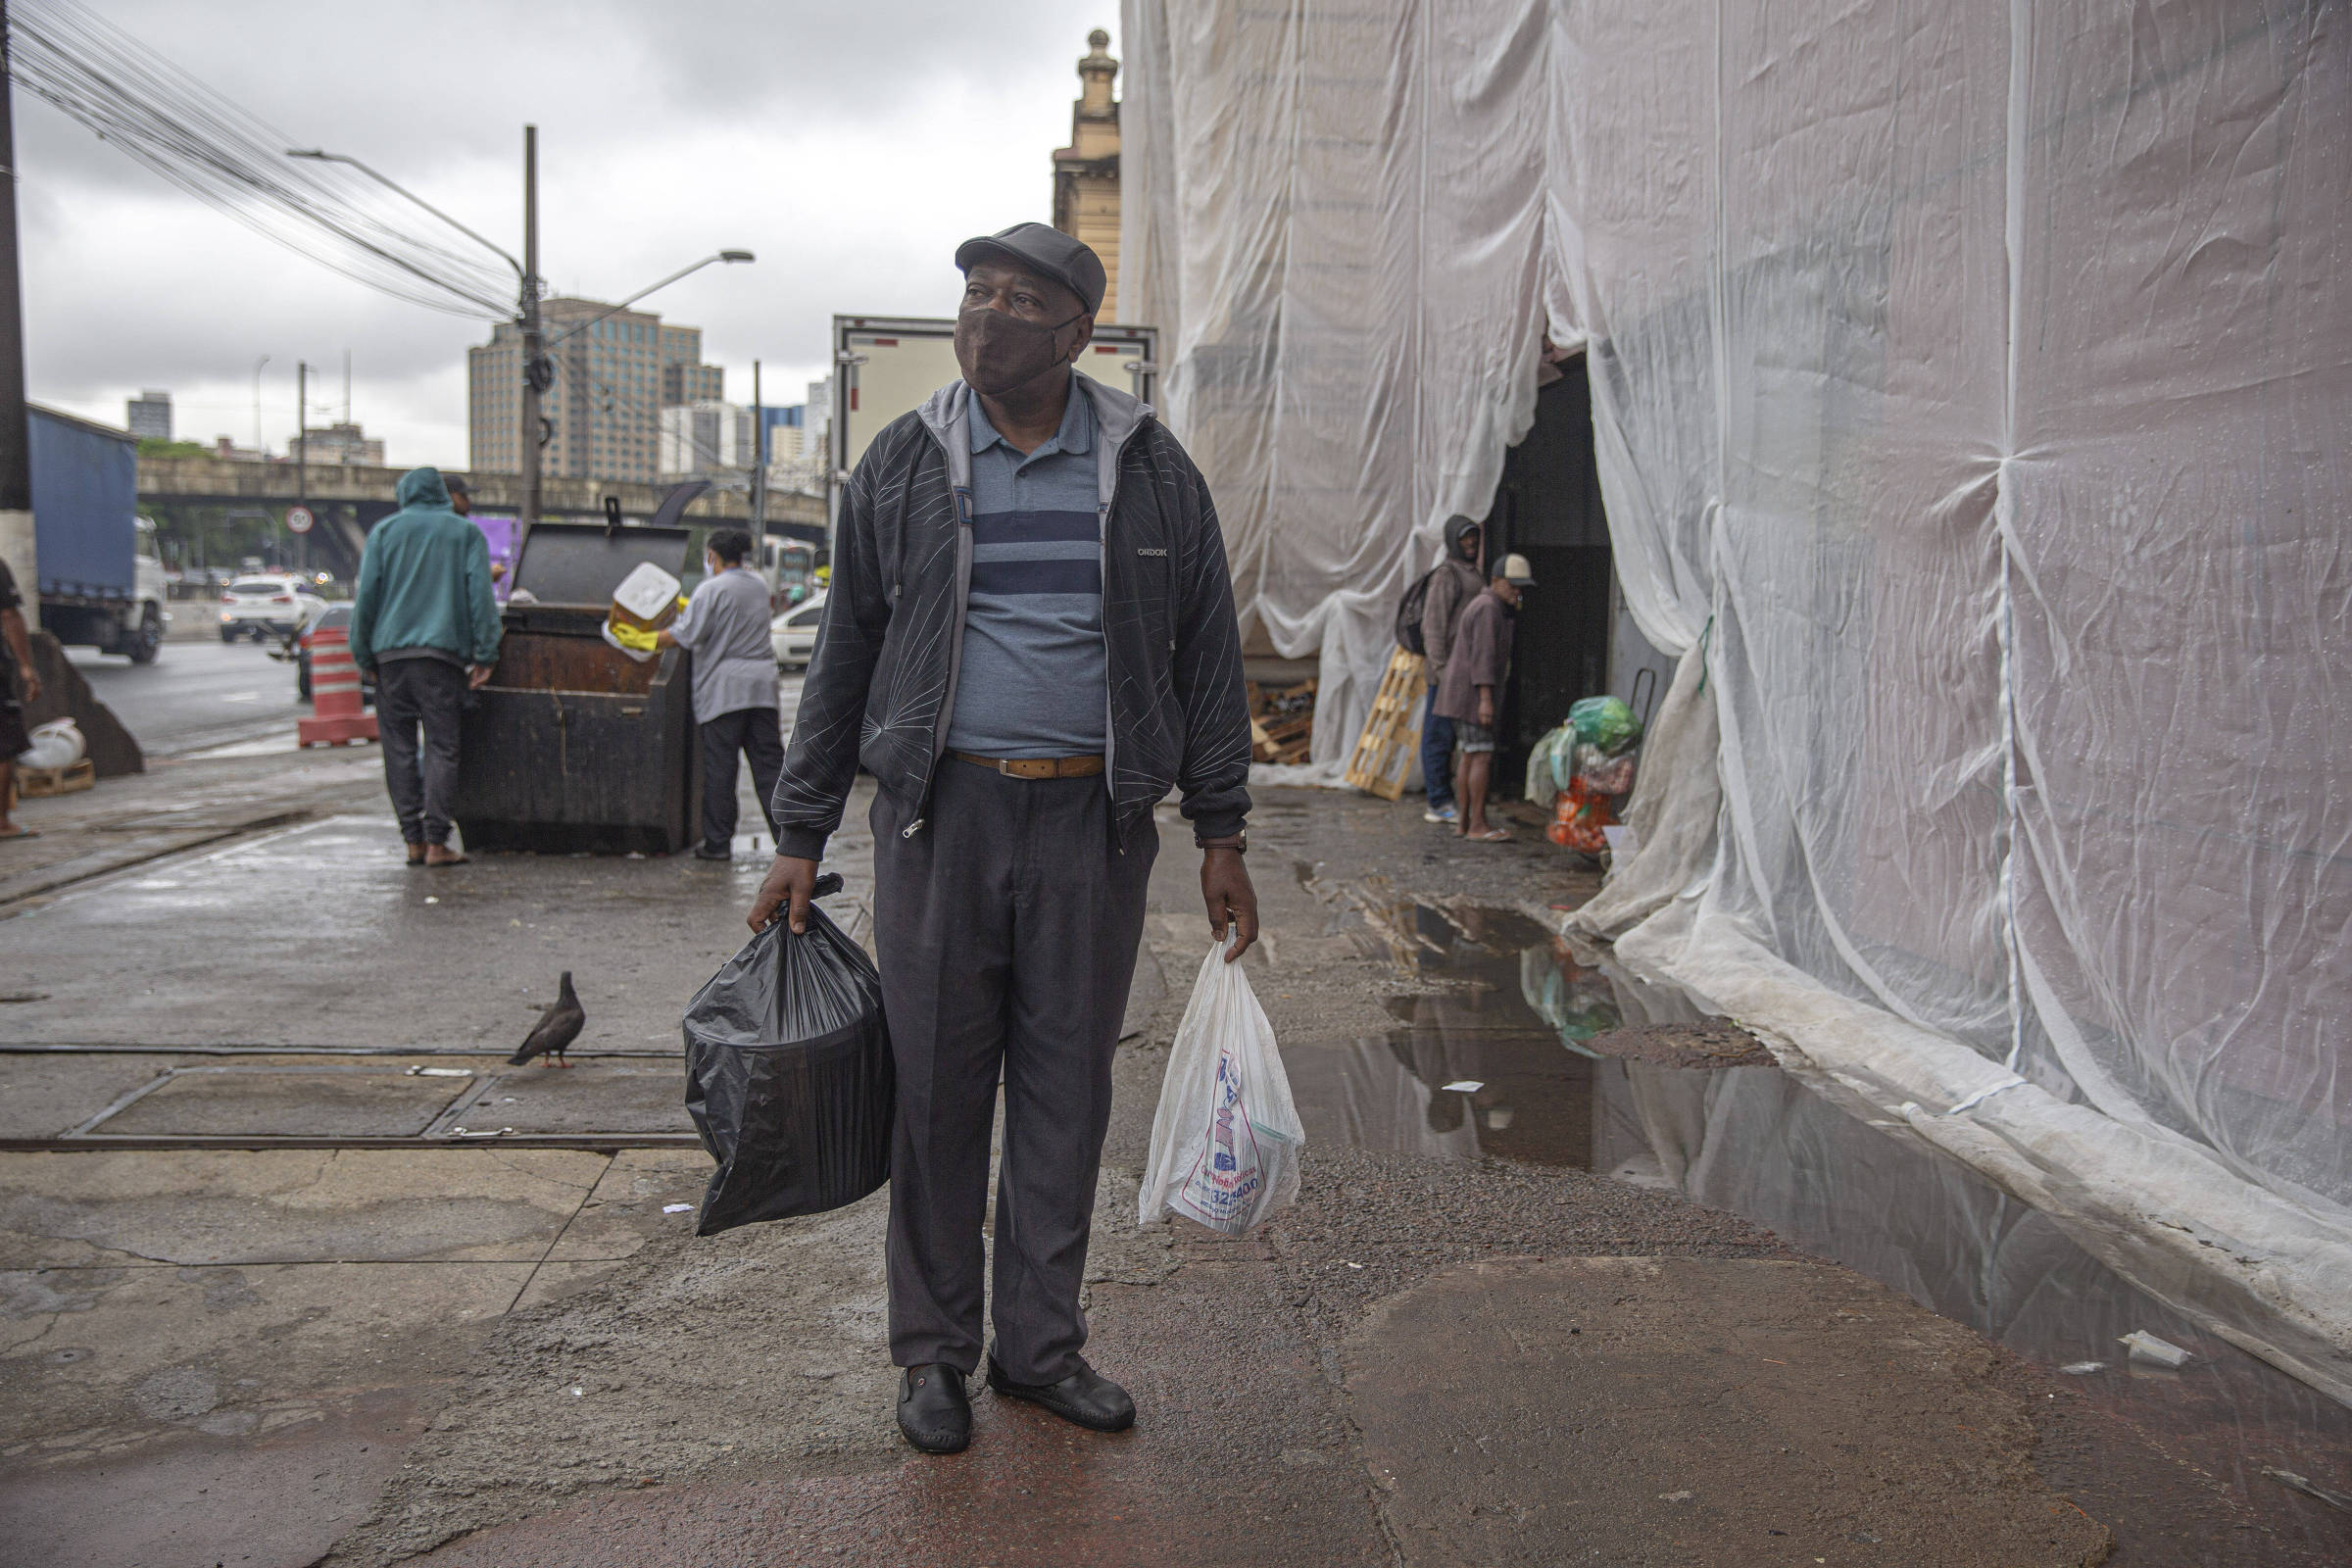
934 1411
1086 1397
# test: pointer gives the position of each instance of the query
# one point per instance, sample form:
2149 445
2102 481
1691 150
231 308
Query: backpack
1408 611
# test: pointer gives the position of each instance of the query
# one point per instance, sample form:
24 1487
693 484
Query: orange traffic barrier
337 715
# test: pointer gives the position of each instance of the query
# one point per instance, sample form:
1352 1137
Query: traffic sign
299 519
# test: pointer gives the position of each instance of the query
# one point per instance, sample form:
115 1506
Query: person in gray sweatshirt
724 627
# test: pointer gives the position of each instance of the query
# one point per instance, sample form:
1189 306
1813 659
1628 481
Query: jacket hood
421 489
1455 526
1118 416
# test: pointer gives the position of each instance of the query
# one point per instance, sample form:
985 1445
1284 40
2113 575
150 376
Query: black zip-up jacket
881 683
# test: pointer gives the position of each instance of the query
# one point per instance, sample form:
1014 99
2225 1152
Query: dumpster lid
580 563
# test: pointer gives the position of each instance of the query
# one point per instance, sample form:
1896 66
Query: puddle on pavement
1496 1059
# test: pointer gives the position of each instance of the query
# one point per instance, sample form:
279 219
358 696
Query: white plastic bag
56 745
1225 1141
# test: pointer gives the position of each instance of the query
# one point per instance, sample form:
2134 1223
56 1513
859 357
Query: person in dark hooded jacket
424 621
1459 579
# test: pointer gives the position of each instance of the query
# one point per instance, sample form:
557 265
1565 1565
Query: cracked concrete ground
514 1356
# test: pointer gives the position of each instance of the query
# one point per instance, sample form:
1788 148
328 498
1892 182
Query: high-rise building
614 374
706 438
1086 172
785 425
816 418
685 379
148 417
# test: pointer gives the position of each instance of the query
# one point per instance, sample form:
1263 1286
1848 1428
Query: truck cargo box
86 501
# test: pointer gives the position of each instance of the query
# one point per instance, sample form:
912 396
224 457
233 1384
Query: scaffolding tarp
1972 393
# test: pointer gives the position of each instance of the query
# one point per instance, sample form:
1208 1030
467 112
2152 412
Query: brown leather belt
1036 767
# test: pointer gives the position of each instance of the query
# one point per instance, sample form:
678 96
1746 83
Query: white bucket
646 592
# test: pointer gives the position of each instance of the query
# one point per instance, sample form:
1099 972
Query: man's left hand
32 686
477 676
1232 900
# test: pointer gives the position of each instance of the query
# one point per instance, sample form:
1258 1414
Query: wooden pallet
32 783
1385 752
1282 722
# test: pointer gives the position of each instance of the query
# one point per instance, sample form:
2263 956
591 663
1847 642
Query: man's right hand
32 686
789 883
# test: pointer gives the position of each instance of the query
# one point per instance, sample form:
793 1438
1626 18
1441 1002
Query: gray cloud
850 146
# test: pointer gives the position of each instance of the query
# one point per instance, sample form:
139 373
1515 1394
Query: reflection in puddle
1533 1101
1513 1014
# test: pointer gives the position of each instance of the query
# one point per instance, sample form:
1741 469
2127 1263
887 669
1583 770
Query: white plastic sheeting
1973 392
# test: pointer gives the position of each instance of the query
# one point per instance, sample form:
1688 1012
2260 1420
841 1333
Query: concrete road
201 694
196 695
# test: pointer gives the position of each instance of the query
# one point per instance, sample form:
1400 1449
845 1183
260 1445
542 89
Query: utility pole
16 439
759 467
535 374
302 433
261 448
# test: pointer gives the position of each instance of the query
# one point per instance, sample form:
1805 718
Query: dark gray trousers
751 732
412 694
1006 929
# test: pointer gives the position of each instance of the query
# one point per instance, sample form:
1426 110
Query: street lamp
577 327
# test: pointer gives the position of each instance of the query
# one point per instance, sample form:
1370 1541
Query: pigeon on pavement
556 1030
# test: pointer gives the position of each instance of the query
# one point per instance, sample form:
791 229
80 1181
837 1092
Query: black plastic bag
789 1076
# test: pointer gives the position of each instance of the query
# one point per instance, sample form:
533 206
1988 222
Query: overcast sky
849 145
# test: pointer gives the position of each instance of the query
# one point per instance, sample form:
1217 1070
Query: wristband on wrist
1239 842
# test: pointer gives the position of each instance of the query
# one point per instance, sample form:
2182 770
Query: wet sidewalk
1575 1275
176 805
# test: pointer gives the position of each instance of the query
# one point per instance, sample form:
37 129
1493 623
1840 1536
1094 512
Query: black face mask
998 350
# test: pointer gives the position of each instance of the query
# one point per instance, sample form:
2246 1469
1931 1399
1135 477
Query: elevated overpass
349 498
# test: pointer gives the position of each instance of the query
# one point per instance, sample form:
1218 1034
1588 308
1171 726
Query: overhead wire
218 152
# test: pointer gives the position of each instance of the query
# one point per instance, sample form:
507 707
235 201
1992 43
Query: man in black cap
1029 640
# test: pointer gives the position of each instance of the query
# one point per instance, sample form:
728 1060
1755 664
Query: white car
264 606
794 633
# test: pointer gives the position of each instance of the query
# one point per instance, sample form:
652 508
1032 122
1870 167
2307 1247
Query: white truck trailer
886 365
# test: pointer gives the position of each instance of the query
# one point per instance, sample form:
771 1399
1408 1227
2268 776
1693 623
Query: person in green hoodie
424 623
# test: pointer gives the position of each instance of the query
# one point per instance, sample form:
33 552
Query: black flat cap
456 485
1043 250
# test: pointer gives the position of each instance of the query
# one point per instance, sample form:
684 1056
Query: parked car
338 617
794 633
263 606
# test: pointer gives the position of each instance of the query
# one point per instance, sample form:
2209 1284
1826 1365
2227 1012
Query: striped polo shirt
1033 680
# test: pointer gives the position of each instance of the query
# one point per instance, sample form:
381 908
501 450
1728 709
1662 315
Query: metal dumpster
574 745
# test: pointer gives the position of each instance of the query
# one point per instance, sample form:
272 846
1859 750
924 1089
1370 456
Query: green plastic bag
1606 722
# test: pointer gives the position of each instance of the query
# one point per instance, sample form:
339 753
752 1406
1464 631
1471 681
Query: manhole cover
283 1103
587 1099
